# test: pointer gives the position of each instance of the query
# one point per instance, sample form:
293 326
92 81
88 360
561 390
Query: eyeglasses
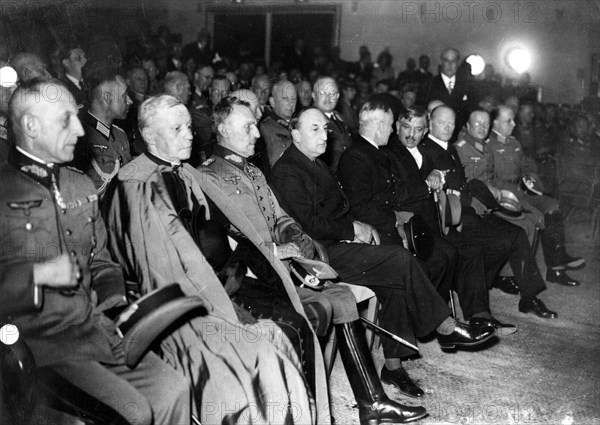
329 95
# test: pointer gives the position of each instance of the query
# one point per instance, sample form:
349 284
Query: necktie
450 86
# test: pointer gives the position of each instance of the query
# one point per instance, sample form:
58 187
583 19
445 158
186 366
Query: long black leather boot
374 405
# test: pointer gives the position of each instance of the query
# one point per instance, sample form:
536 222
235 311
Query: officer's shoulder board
461 143
208 161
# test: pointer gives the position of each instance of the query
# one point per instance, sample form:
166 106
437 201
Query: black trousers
410 305
501 241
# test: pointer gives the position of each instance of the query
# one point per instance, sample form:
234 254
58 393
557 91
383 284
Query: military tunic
510 166
246 185
48 211
476 157
276 135
109 151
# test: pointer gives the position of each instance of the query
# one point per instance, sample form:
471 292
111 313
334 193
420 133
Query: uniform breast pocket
29 235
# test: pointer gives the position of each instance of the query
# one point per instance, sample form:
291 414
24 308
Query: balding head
325 94
43 116
176 84
29 66
309 132
441 125
283 99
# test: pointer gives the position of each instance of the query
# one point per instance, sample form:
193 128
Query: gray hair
154 105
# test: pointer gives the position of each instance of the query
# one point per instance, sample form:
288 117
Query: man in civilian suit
450 88
308 191
501 240
339 138
414 194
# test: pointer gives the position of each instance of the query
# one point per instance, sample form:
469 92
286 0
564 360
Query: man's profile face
173 131
120 101
505 123
442 123
411 131
219 89
284 100
241 131
478 125
385 127
311 135
59 127
326 95
449 63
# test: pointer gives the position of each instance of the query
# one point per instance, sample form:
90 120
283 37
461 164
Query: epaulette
337 115
119 128
208 161
460 143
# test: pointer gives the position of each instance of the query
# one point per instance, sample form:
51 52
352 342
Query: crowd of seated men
178 165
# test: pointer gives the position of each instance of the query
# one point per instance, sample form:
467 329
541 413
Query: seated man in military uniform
105 148
274 128
57 278
513 171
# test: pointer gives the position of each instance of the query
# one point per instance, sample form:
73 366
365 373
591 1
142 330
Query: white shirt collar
447 79
417 155
35 158
74 80
438 141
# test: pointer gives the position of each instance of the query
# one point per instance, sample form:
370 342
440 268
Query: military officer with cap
106 144
58 278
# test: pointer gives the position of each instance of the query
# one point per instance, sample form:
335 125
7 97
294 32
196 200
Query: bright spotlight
477 64
8 76
519 60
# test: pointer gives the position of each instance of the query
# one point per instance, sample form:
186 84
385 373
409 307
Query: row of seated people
466 261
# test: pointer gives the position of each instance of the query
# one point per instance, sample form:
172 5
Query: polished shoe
561 277
465 336
572 263
400 379
506 284
502 329
374 406
537 307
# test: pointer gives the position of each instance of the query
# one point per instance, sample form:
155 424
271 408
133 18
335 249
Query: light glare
519 60
477 64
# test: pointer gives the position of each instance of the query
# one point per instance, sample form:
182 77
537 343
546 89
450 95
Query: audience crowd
272 195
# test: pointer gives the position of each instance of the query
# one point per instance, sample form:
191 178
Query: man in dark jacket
500 239
410 305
